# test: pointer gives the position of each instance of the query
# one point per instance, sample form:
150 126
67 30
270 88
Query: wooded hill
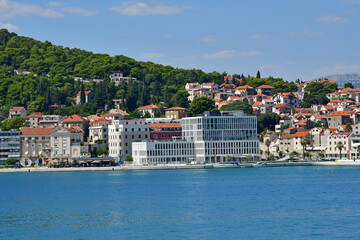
53 69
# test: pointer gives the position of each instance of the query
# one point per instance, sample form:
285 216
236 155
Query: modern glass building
9 145
216 136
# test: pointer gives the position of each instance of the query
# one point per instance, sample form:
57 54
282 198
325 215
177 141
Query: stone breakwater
173 167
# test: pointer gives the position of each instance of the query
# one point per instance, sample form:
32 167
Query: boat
259 164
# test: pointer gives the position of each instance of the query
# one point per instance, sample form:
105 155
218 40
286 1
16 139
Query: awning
96 161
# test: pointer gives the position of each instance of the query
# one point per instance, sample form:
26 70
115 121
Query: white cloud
151 55
55 4
9 26
209 39
80 10
257 36
231 54
143 9
332 19
10 9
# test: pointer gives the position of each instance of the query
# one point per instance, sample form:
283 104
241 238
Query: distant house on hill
176 112
152 109
17 112
89 97
118 77
264 89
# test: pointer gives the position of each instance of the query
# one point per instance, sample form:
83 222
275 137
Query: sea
254 203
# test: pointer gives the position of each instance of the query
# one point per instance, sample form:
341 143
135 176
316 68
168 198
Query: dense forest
53 68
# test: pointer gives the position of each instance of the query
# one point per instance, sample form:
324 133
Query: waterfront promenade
175 166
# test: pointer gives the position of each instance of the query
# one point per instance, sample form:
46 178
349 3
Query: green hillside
53 69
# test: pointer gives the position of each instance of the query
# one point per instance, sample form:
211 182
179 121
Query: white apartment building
118 77
214 137
123 133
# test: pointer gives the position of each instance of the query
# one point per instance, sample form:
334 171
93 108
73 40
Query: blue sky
292 39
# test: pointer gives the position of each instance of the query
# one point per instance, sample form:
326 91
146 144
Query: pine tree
82 94
258 74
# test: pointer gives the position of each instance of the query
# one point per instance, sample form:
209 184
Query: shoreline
173 167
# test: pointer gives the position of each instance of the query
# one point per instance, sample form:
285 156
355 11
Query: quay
176 166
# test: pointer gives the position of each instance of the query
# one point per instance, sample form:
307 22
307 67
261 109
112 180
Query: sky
292 39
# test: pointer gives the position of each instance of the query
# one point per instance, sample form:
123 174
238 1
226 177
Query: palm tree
348 127
358 151
267 143
340 146
303 143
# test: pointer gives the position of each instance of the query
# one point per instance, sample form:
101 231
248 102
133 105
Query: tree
307 155
258 74
236 106
317 124
294 154
82 94
11 161
267 144
304 142
340 146
281 154
358 150
348 127
348 85
267 121
14 123
129 159
201 104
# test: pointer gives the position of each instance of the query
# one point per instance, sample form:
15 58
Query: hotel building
206 139
121 135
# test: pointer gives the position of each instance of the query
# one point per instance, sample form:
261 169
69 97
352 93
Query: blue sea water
261 203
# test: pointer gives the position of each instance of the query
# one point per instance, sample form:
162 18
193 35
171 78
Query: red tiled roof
256 104
36 130
176 108
101 121
86 93
110 114
159 126
16 108
74 118
151 106
74 129
34 116
300 134
228 85
341 113
280 105
264 86
244 87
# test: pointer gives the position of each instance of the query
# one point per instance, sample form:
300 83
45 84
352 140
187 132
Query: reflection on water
265 203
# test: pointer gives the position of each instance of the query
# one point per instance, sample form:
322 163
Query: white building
123 133
118 77
214 137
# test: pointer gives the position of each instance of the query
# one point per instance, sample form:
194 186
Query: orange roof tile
36 130
74 118
86 93
159 126
300 134
16 108
176 108
151 106
264 86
